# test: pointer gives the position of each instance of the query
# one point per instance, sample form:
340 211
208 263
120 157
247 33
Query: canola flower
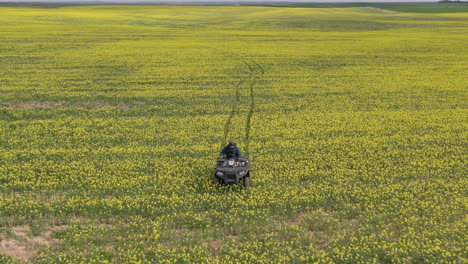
355 122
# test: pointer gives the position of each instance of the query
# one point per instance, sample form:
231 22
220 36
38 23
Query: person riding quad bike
231 167
230 151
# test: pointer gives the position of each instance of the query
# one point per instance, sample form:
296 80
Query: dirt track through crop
252 99
255 72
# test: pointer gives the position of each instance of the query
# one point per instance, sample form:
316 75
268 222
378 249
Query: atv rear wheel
246 180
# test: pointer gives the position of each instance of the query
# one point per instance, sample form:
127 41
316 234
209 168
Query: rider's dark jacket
231 152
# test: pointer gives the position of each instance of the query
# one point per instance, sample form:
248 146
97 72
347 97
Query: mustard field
111 119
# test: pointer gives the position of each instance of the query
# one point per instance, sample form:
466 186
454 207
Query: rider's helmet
232 144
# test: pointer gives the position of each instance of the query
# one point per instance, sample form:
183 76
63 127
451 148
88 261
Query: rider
231 151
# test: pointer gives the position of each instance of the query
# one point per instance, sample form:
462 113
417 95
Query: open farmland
111 117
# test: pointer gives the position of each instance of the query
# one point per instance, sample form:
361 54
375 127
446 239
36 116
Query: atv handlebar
236 158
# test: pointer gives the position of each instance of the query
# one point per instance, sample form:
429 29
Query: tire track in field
228 122
250 113
255 72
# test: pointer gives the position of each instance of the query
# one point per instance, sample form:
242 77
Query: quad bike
232 171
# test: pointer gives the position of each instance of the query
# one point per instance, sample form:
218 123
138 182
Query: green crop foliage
354 120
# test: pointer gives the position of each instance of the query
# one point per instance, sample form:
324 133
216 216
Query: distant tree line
451 1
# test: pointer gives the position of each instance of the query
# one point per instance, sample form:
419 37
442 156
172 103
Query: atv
232 171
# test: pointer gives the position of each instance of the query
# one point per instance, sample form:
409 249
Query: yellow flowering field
111 117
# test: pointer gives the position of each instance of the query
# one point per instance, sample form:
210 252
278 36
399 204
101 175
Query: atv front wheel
217 181
246 181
